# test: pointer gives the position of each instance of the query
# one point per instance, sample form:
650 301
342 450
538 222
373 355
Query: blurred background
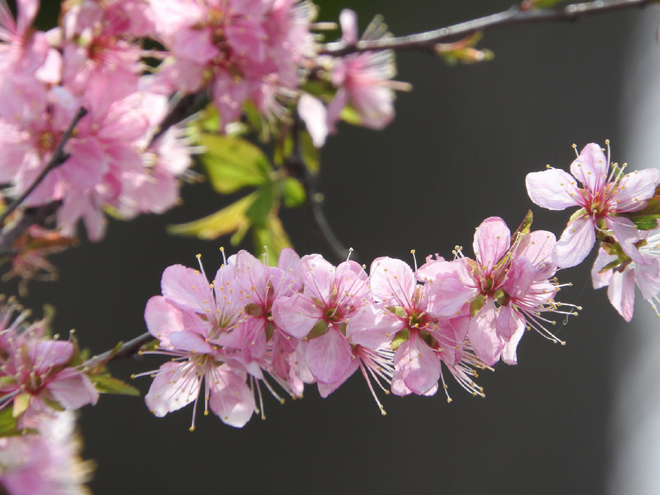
457 152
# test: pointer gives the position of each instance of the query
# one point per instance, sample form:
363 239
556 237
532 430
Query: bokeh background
457 152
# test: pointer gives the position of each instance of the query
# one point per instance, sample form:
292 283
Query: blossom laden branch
515 15
129 349
58 158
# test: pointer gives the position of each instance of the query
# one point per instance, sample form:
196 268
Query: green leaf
225 221
293 192
646 223
232 163
108 385
272 237
261 207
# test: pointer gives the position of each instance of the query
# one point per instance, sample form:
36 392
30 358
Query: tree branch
128 349
296 164
514 15
184 107
31 216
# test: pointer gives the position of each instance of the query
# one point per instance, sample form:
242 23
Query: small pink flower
605 193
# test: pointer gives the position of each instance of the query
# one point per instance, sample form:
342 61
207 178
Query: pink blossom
319 314
47 462
606 193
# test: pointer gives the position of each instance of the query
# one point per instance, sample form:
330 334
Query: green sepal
397 311
53 404
429 339
293 192
476 305
342 328
8 423
349 115
232 163
524 228
269 328
646 219
400 337
21 403
106 384
579 213
254 309
230 219
319 328
501 297
7 380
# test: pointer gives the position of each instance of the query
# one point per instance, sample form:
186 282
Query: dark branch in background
428 40
129 349
30 216
58 158
296 165
183 108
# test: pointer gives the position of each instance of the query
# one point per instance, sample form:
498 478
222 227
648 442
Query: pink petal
482 333
591 167
172 388
232 401
327 356
575 243
600 280
509 355
553 189
491 240
418 365
371 327
72 389
162 319
326 389
392 281
314 114
636 187
296 315
621 293
349 28
189 341
187 288
318 275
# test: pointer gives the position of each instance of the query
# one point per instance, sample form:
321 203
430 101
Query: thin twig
58 158
184 107
296 163
514 15
30 216
128 349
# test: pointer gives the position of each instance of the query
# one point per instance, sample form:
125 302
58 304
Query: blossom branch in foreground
514 15
130 348
58 158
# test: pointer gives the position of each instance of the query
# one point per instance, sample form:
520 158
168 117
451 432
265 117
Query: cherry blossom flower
47 462
606 192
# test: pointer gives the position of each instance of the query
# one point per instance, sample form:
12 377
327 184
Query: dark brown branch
428 40
58 158
186 106
296 164
29 217
129 349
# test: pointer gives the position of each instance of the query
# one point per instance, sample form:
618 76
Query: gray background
457 153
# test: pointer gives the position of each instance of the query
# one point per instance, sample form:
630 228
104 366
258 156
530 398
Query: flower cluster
38 375
307 321
618 210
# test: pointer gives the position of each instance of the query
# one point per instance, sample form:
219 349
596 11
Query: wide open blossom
422 341
605 193
504 290
192 320
318 315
